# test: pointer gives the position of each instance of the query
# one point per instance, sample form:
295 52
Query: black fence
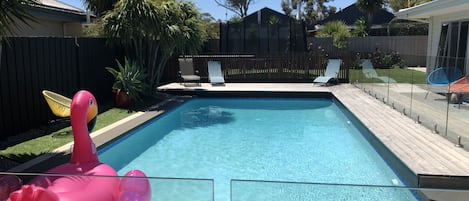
412 49
63 65
297 67
66 65
263 33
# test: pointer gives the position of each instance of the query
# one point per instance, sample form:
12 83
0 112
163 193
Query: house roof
424 11
60 5
351 14
266 12
57 10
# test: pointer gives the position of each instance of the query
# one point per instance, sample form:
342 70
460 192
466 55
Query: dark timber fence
63 65
295 67
413 49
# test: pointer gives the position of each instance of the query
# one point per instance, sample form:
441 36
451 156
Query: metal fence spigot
458 144
435 129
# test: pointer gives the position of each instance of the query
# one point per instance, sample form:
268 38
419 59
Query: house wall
48 28
434 32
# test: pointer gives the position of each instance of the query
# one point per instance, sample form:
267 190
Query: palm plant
338 31
370 7
12 10
359 29
153 31
99 7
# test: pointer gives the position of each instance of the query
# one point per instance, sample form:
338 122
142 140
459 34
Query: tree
153 31
12 12
396 5
338 31
287 7
359 29
240 7
370 7
314 10
211 26
99 7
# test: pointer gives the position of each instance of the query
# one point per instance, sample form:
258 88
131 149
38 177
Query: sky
218 12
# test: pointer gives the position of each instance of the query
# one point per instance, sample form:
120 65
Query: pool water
281 139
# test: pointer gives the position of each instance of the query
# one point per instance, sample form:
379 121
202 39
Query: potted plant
128 83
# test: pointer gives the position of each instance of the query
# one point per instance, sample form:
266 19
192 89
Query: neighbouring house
349 15
54 18
447 34
265 31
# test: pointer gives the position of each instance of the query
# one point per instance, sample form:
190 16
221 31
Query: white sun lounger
370 72
332 70
215 75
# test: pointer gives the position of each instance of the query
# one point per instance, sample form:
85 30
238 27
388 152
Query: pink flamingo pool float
84 178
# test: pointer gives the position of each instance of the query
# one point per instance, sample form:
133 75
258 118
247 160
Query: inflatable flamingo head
84 105
83 112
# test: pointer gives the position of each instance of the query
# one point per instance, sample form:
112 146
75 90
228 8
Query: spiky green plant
338 31
129 78
359 29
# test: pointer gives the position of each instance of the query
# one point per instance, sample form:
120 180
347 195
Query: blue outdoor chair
440 79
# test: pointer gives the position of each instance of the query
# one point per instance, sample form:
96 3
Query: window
452 47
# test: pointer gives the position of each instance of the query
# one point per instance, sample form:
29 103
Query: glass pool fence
182 189
434 95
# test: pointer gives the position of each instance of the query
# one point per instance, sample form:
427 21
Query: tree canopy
99 7
152 31
240 7
310 10
370 7
396 5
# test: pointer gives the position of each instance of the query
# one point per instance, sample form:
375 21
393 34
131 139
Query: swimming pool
260 139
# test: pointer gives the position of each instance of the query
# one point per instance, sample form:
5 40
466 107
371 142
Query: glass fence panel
242 190
432 110
83 187
418 92
167 189
457 120
140 188
434 96
458 108
356 76
399 87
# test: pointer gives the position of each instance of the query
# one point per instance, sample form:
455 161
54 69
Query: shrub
387 60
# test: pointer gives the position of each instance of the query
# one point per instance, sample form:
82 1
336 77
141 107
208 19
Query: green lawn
53 138
401 75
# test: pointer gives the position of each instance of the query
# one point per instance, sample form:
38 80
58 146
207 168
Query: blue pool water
293 140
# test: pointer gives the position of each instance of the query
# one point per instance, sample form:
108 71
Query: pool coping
111 132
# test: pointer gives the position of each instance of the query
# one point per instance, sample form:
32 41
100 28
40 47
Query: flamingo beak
92 115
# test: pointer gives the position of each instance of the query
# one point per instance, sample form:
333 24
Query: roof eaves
424 11
59 9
